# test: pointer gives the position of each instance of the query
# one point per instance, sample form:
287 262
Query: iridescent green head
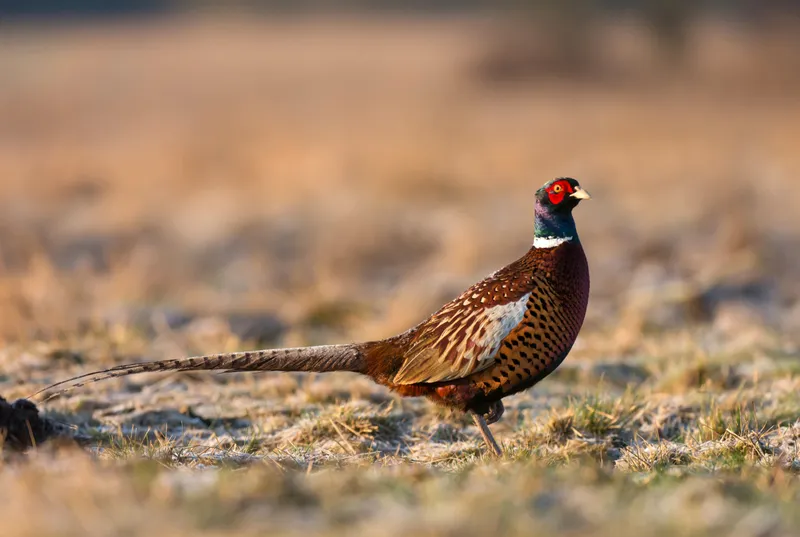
554 204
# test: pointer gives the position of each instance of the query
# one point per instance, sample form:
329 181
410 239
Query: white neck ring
549 242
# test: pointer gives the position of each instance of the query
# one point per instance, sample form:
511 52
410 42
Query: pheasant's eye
557 189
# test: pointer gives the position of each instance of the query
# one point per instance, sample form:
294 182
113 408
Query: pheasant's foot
486 434
495 413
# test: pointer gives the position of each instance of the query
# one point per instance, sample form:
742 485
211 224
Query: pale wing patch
463 342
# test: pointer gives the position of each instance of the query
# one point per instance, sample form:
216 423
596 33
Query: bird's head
561 195
554 204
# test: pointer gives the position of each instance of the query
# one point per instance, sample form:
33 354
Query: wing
463 337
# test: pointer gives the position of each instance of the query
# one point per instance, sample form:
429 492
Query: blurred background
286 173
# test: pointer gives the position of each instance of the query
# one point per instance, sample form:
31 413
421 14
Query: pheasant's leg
495 413
486 434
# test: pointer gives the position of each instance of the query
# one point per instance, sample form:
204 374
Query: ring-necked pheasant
502 335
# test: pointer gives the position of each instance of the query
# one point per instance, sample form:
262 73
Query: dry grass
183 187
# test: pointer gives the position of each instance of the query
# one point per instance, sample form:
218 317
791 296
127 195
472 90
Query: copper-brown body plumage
558 286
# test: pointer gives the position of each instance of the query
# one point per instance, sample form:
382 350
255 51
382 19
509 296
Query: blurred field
179 187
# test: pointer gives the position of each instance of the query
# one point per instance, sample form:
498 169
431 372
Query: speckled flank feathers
502 335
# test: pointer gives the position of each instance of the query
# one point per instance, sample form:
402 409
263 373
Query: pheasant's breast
553 317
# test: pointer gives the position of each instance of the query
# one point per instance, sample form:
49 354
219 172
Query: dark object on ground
21 426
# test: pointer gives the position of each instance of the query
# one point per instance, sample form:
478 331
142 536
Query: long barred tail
323 358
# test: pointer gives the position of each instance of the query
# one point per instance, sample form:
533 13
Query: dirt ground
180 187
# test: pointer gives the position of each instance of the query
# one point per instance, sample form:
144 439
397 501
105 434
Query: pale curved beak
580 194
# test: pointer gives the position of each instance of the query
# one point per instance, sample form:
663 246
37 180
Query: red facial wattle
558 191
556 197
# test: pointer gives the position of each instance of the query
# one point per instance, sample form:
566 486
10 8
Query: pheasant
501 336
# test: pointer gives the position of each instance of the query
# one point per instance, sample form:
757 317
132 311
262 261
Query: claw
496 412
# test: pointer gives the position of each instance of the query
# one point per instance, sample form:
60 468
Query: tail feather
320 359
